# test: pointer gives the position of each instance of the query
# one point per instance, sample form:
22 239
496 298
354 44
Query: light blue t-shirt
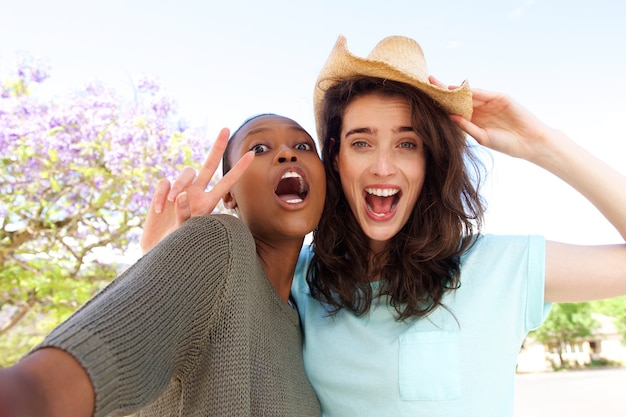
458 361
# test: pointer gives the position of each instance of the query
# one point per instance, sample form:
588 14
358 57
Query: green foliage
566 323
616 308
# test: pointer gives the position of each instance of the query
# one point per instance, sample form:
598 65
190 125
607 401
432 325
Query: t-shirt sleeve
150 323
537 309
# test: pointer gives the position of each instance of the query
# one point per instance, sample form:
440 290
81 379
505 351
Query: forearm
601 184
17 395
49 382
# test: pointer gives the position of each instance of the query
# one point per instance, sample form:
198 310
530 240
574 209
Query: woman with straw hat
408 309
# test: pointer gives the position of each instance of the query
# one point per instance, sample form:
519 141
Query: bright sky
225 61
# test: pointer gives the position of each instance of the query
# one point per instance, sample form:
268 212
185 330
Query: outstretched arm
173 204
48 382
573 273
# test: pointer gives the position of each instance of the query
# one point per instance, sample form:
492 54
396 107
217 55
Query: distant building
605 343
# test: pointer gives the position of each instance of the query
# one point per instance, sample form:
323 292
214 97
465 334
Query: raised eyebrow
370 131
265 129
360 130
303 130
256 131
405 129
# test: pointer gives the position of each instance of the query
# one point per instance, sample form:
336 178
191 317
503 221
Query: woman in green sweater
201 324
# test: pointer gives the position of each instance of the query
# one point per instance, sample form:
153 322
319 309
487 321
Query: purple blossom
32 69
148 84
90 156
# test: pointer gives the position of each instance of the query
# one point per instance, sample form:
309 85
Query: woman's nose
286 154
383 164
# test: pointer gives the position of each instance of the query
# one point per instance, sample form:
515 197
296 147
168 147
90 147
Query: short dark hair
226 162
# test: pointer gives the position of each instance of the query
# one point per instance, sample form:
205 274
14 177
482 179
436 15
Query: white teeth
294 201
291 174
382 192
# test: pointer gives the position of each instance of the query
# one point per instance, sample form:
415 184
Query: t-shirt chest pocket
429 366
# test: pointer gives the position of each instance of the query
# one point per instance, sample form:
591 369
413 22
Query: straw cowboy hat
395 58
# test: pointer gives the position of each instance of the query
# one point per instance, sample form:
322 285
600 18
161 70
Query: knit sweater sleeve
151 322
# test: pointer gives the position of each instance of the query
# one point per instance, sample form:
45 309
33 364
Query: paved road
588 393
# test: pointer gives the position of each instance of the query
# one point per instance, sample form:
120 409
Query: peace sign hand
173 204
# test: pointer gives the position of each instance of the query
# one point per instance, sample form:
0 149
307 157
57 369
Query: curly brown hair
422 261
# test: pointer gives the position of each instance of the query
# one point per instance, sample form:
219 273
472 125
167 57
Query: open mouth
381 201
292 188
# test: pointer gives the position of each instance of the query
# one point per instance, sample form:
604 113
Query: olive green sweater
194 328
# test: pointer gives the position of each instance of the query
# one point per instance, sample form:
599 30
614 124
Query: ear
229 201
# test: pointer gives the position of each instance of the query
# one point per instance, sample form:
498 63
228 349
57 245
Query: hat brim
343 65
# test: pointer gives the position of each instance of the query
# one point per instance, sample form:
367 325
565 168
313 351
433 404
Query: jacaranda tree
76 175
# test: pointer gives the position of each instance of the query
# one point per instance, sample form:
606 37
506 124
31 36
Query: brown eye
259 148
